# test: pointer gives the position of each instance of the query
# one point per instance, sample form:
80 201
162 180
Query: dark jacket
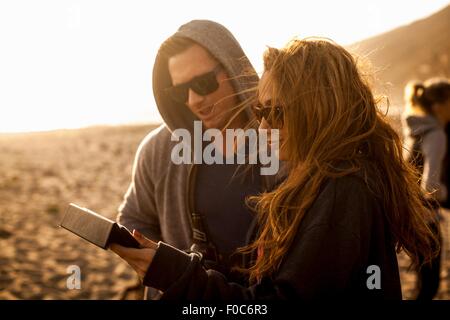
342 236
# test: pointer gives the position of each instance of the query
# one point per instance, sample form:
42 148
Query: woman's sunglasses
274 115
203 85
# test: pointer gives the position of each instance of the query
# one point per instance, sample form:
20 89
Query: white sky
69 63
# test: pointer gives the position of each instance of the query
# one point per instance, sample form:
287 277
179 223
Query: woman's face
265 100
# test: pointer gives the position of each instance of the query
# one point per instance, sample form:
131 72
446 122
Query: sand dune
419 50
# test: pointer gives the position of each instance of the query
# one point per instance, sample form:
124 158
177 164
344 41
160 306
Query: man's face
214 109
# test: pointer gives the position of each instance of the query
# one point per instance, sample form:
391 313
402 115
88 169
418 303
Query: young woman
332 227
426 115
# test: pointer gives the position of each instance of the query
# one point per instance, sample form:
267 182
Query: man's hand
138 259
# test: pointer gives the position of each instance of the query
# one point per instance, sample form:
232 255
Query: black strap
201 242
198 229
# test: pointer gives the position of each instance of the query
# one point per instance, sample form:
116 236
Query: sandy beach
41 173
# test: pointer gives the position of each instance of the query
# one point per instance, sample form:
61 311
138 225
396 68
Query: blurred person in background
426 115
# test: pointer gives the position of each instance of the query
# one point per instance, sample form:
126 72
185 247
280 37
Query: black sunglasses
274 115
203 85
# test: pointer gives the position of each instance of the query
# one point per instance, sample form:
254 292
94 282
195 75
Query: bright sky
74 63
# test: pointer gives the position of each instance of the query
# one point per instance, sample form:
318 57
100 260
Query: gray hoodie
159 199
433 147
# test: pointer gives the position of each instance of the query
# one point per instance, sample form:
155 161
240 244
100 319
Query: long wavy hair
331 116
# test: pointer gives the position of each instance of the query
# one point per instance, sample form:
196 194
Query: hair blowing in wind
331 117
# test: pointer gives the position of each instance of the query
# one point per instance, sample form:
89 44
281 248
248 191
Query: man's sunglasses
203 85
274 115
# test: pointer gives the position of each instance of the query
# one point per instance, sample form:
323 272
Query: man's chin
212 124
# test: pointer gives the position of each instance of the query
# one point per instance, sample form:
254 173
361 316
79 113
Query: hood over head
222 45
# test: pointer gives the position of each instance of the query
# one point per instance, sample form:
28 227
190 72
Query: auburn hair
331 116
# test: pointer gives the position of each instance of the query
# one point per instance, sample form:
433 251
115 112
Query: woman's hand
138 259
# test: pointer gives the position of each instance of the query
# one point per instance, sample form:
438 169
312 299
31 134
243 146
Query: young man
200 73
